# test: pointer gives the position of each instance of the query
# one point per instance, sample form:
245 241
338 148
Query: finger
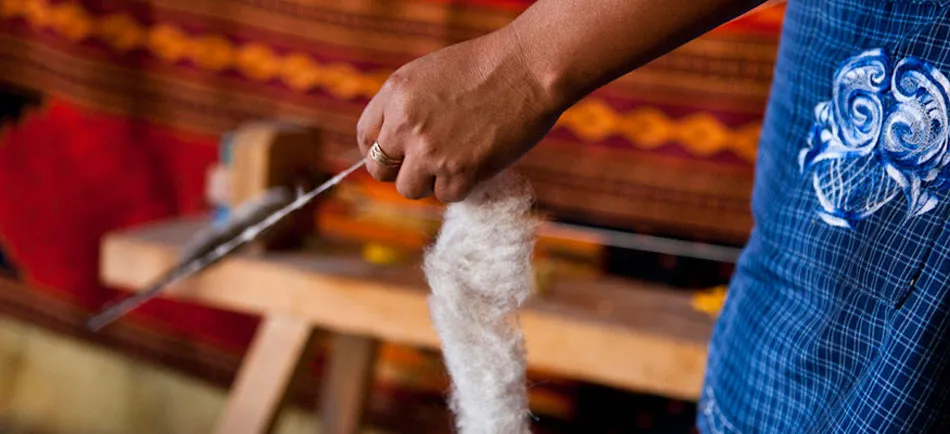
370 123
390 145
449 189
415 181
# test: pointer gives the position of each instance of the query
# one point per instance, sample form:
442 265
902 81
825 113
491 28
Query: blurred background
124 115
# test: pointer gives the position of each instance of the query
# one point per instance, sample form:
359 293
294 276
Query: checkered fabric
837 316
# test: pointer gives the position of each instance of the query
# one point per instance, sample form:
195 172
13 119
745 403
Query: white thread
480 273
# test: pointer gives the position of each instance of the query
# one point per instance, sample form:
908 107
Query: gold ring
377 154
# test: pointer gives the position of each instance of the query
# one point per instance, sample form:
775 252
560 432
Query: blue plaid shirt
837 316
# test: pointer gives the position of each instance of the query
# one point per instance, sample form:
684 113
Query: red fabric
488 4
69 175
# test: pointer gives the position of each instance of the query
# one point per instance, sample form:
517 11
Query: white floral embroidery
884 132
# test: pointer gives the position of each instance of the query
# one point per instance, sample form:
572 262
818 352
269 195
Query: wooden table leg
347 383
265 374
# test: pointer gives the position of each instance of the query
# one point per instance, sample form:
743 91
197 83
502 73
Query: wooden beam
348 383
617 332
262 382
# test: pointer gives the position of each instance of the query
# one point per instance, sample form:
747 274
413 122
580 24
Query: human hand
456 117
463 113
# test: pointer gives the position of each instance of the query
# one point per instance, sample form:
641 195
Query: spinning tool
247 223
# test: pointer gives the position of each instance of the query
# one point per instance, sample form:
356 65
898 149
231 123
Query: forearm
463 113
572 47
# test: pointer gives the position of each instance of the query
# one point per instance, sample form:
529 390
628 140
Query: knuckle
395 111
425 146
409 191
454 192
453 167
402 108
397 79
407 109
378 173
394 83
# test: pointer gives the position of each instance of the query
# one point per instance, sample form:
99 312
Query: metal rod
653 244
195 265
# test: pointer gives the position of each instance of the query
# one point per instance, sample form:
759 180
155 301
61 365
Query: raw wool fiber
480 273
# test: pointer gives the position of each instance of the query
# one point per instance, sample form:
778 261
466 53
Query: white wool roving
480 273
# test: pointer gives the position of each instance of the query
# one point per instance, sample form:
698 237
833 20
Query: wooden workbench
626 334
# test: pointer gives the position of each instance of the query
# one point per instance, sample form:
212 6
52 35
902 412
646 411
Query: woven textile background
668 147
